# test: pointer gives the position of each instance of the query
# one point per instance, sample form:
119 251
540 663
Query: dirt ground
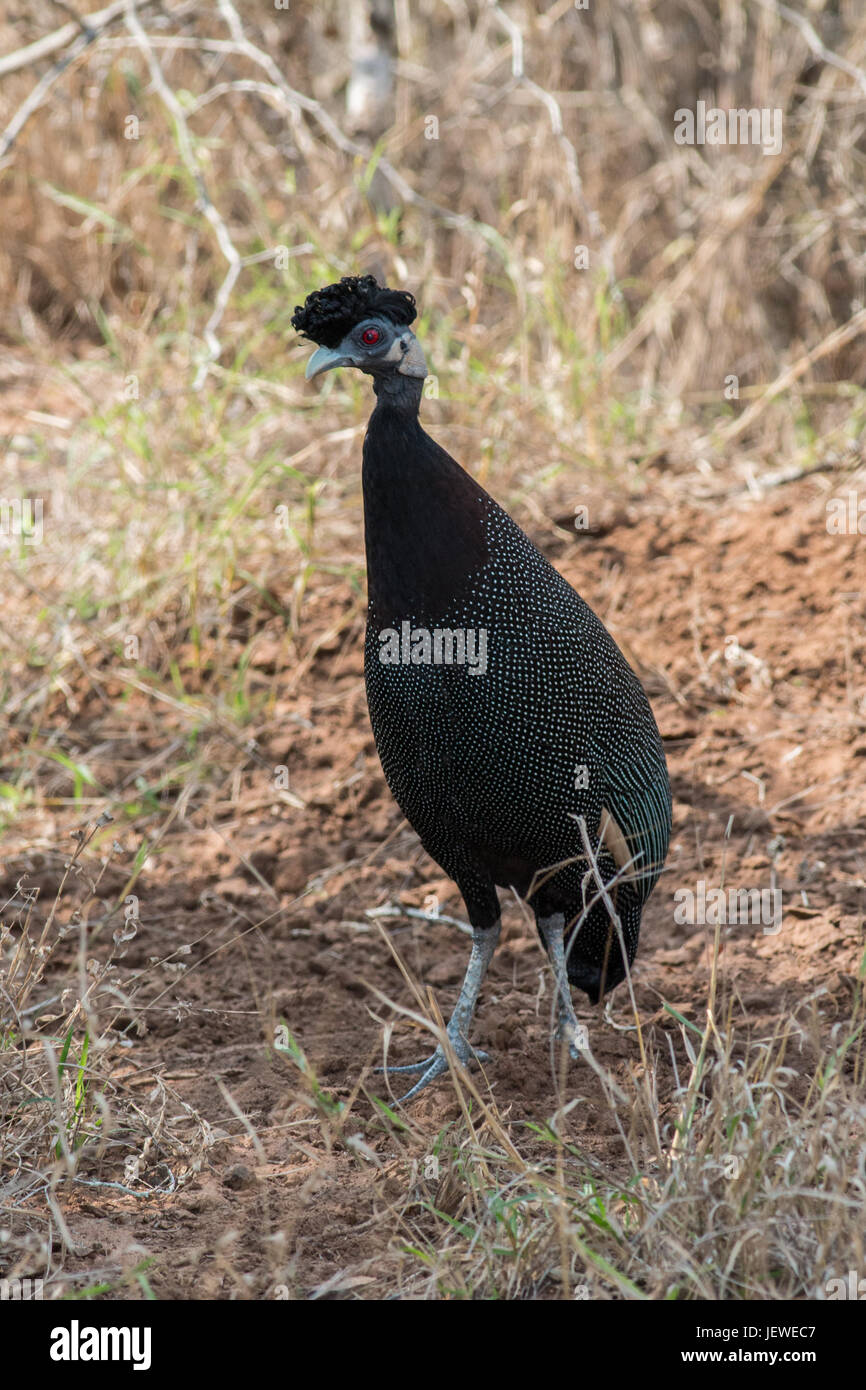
747 620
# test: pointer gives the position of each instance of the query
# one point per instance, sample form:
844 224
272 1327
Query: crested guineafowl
502 709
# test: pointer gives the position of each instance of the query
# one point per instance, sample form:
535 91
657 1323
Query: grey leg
483 946
574 1033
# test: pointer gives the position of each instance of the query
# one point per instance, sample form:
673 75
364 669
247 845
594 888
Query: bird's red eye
370 336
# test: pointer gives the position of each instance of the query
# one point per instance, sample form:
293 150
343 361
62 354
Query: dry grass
743 1190
198 497
75 1112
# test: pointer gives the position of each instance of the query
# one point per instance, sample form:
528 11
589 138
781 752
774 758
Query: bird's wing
637 799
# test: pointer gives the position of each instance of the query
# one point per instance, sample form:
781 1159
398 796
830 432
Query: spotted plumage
492 766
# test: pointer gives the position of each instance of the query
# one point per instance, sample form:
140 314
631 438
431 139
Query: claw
435 1066
475 1054
407 1069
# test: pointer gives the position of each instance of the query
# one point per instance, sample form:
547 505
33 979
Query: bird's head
359 323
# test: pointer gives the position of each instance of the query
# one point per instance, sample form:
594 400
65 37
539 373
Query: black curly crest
327 315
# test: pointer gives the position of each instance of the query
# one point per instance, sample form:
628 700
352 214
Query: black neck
424 516
399 392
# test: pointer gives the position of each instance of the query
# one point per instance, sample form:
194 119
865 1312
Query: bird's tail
594 953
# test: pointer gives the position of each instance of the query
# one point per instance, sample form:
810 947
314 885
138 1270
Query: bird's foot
436 1065
575 1035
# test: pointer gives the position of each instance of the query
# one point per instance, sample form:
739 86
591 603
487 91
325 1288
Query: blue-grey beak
324 359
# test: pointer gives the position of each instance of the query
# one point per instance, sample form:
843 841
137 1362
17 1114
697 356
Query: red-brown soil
272 897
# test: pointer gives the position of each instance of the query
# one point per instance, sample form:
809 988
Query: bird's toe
408 1069
433 1067
437 1068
